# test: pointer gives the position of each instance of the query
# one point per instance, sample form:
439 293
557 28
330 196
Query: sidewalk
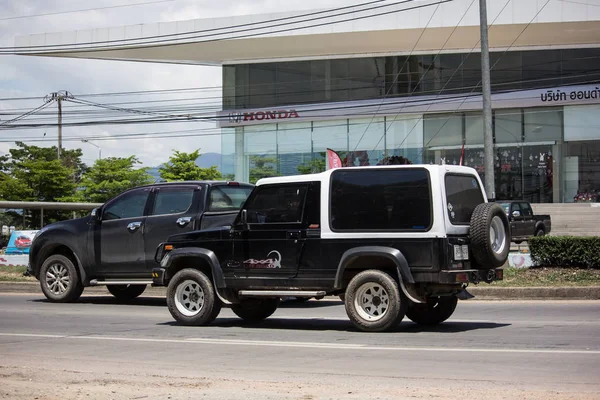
481 292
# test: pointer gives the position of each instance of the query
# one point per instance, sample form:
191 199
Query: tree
260 168
111 176
182 167
34 173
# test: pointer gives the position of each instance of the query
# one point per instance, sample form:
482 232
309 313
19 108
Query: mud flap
464 295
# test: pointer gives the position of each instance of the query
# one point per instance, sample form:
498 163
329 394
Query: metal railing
39 205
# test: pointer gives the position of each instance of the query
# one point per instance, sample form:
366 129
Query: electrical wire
160 43
84 10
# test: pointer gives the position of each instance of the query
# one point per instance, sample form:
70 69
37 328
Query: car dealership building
405 83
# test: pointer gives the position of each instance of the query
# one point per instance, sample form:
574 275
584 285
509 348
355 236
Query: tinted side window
276 204
227 198
526 210
130 205
463 194
392 199
173 200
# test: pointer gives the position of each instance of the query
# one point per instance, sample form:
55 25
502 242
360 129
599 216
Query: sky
26 76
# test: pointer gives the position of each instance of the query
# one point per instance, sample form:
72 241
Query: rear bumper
471 276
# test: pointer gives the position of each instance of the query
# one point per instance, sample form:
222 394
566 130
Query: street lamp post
95 145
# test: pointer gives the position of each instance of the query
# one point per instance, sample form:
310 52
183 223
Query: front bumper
471 276
158 276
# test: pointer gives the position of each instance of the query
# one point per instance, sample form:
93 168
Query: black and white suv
391 241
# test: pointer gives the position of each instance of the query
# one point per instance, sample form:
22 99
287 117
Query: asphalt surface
97 348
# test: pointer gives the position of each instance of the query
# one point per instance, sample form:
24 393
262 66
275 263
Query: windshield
228 198
463 194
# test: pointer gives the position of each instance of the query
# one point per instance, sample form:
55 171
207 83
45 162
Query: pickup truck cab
523 222
115 245
393 240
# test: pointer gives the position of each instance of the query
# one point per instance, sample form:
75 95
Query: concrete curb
480 293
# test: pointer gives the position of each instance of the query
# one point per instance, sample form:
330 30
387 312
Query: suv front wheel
191 298
374 302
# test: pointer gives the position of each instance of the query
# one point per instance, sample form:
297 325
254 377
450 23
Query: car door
272 243
174 209
516 225
119 235
528 222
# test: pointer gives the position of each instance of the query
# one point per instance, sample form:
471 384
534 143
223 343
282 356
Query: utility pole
488 140
59 97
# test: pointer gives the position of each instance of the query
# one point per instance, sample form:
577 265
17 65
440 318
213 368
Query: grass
549 277
14 274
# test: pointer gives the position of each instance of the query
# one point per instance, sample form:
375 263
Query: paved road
100 349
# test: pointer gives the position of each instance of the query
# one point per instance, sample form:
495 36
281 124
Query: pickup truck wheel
255 310
490 235
126 292
373 301
540 232
191 298
435 311
59 279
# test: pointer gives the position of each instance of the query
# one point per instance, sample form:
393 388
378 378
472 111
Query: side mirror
516 214
96 214
244 219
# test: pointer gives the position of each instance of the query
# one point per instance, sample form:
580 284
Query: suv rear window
381 200
227 198
463 194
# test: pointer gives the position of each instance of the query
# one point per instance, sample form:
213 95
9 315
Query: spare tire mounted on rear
490 235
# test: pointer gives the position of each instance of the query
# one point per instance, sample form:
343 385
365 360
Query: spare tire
490 236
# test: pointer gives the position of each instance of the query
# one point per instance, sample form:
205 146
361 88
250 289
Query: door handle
132 227
183 221
293 235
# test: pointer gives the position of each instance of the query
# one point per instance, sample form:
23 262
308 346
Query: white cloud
36 76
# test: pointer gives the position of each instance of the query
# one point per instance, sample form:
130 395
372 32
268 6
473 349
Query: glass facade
543 154
316 81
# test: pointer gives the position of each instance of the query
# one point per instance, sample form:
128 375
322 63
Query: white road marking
312 345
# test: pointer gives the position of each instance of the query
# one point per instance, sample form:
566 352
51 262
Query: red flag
333 159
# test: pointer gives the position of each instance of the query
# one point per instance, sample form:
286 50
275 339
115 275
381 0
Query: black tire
540 232
487 252
191 298
67 288
126 292
255 310
435 311
373 301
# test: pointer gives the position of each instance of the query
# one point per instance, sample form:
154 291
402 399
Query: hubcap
57 279
371 301
189 298
497 235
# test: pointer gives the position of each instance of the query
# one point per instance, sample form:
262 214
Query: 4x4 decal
269 262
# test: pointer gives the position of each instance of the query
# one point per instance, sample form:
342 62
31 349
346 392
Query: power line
221 28
84 10
161 43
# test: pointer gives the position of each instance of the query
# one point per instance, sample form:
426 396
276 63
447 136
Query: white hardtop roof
324 176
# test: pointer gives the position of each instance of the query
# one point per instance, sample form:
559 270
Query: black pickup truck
523 222
115 245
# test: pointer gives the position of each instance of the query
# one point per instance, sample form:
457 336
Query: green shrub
565 251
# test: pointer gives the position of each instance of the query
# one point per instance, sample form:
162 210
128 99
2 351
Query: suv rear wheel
255 310
59 279
191 298
435 311
373 301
